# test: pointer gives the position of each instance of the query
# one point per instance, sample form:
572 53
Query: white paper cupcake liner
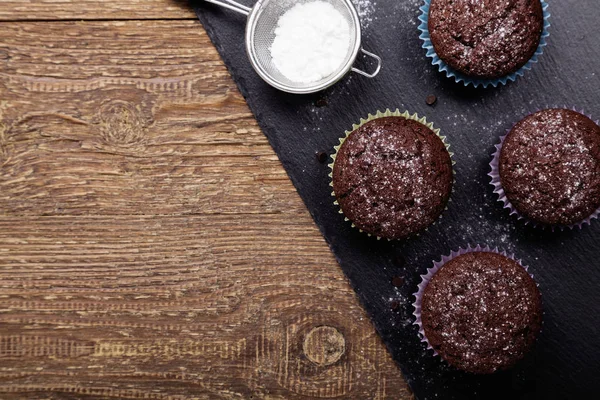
466 80
494 174
371 117
425 279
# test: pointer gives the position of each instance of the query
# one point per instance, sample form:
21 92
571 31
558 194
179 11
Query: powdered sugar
311 42
366 11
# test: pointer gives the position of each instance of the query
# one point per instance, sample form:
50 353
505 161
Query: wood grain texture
52 10
151 244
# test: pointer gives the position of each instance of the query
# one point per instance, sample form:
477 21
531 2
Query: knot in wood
121 123
324 345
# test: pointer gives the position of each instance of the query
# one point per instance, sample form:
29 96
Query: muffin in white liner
402 158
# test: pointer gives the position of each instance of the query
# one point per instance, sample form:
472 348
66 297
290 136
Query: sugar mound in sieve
311 42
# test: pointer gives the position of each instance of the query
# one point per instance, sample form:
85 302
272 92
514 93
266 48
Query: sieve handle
373 74
232 5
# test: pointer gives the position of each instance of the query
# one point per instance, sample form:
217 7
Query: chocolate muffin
392 177
485 39
481 312
550 167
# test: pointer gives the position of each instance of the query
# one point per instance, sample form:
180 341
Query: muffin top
485 39
481 312
392 177
550 167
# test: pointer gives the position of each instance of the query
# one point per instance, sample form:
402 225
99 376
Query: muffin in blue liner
560 208
479 309
470 80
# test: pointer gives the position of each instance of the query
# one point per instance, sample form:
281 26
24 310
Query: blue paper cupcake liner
425 279
466 80
494 174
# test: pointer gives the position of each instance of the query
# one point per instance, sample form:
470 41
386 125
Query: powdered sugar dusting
366 11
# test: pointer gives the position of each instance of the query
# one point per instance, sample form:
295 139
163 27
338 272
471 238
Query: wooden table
151 244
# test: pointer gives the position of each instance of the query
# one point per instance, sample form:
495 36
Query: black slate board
566 362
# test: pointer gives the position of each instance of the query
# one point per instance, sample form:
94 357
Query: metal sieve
260 34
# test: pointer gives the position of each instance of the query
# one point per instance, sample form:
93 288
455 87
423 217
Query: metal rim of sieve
253 14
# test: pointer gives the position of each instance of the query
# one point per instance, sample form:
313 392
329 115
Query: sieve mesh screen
261 34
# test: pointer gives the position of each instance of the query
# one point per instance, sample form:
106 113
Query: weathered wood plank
151 245
51 10
153 124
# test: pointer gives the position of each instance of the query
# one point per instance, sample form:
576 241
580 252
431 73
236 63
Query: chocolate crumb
398 281
322 102
322 156
395 305
431 100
